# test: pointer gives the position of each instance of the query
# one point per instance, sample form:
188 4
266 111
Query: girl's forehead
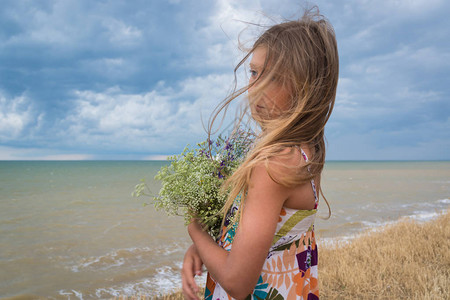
258 57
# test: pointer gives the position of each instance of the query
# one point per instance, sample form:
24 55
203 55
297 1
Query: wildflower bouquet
191 183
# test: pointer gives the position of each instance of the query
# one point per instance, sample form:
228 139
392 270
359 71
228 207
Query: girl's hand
192 266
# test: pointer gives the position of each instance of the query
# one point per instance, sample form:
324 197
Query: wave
132 256
165 280
444 201
418 216
77 294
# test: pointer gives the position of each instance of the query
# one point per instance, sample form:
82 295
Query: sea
72 230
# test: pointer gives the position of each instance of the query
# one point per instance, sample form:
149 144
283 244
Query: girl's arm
238 271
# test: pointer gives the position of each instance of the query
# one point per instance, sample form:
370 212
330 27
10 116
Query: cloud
391 93
156 157
160 119
132 79
16 116
64 157
122 34
31 153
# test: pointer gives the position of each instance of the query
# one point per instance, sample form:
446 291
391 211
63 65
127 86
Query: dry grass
407 260
173 296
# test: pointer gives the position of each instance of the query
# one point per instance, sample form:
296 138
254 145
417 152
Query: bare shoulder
289 155
288 163
280 176
286 169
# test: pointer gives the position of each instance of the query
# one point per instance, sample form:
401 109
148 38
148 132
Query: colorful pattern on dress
290 269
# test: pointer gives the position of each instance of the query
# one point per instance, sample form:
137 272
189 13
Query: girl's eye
253 74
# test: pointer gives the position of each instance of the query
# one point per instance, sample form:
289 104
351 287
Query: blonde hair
301 56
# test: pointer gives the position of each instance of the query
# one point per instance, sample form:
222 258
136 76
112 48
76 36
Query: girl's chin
256 113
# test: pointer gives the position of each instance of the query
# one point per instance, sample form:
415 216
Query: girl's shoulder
287 163
290 156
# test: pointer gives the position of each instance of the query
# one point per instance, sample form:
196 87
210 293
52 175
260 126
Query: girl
269 251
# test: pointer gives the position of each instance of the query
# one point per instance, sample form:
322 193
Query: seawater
72 230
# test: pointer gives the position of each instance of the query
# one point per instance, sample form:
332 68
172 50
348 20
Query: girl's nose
251 84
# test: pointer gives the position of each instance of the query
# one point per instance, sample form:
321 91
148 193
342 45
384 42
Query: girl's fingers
189 285
187 292
198 266
190 268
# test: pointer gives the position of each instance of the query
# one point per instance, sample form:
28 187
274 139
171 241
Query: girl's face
273 100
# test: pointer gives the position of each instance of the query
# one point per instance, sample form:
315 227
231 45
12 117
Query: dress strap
316 199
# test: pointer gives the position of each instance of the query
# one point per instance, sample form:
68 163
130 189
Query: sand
406 260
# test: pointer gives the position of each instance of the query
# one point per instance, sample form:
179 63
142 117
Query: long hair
302 57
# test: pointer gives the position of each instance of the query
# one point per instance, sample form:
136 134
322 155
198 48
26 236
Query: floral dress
290 269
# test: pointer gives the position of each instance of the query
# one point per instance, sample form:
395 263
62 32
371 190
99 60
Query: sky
110 79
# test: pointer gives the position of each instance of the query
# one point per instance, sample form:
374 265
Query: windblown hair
301 56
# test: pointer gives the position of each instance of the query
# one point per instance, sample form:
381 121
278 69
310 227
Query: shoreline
88 228
406 259
420 217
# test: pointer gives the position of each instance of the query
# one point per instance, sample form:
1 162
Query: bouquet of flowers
191 183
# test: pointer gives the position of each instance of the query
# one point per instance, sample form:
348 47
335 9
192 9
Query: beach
405 260
72 229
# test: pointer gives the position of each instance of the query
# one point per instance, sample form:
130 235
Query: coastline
407 259
77 223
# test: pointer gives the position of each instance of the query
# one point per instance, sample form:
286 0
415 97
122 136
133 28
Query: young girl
270 252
